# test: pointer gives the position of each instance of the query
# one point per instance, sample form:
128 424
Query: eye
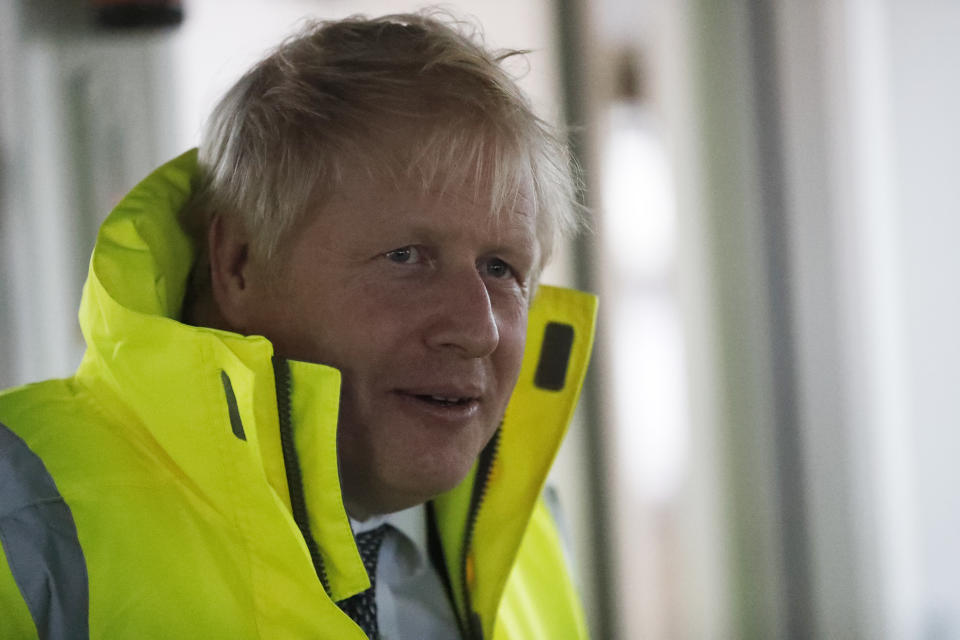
497 268
404 255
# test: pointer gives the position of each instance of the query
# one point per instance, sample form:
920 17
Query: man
319 399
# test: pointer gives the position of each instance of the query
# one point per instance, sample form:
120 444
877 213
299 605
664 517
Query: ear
230 271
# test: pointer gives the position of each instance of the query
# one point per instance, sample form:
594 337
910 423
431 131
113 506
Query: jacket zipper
281 371
473 627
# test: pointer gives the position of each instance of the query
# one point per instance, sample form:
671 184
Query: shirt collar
411 523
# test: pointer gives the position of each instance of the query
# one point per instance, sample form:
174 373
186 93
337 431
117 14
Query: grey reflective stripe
40 541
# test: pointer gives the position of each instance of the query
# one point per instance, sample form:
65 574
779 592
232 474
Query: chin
421 482
442 480
406 463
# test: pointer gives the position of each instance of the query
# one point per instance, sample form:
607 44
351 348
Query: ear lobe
229 251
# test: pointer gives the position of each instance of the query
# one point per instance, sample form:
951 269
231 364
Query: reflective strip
554 356
232 409
40 541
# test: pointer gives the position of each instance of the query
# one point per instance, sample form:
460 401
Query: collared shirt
412 603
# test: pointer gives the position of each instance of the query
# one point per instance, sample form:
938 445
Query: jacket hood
174 383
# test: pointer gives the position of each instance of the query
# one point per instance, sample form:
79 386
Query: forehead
437 151
448 201
458 162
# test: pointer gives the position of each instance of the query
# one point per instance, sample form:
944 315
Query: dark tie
362 607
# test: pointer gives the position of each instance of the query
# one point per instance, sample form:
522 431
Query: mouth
454 404
444 401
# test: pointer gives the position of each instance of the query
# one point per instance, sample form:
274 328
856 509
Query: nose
463 318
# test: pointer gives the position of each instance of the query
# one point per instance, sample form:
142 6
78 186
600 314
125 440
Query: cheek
304 327
278 316
513 338
364 339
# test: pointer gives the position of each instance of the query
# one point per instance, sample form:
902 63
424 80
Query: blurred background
769 442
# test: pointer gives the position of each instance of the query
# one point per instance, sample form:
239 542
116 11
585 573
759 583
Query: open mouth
443 401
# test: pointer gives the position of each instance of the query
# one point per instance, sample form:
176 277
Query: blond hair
282 137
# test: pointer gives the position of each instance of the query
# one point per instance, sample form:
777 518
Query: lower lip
450 413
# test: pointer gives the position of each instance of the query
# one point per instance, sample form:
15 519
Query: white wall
871 104
925 105
861 100
85 116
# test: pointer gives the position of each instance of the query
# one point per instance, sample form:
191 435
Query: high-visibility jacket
183 483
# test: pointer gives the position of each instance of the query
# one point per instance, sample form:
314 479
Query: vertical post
788 444
573 47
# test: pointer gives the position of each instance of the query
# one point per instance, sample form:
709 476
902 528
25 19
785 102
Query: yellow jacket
183 483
